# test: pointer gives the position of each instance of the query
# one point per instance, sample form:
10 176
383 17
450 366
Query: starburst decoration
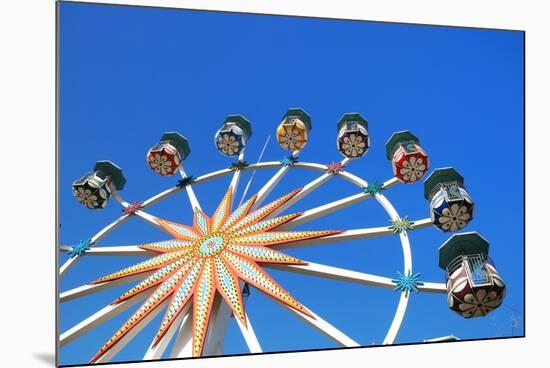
288 161
207 258
373 188
80 248
188 180
239 165
334 168
407 283
131 209
401 224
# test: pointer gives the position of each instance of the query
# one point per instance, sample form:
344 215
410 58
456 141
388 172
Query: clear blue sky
129 74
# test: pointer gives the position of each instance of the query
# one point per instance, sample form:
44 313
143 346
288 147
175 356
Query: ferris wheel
199 275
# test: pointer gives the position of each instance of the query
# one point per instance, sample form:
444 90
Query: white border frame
28 78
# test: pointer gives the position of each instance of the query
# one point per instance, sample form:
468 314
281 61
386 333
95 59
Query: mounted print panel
234 184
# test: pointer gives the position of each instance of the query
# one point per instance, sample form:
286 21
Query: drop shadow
48 358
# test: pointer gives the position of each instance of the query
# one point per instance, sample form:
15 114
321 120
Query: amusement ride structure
199 274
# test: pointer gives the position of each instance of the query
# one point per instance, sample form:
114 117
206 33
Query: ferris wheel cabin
293 131
167 155
474 287
408 160
353 139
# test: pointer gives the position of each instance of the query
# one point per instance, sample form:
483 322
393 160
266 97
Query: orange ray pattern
211 257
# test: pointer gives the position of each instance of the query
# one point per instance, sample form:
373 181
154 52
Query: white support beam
157 351
217 328
324 327
115 349
183 345
249 335
99 317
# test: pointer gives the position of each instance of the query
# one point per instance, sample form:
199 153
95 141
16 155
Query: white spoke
92 288
249 335
269 186
235 179
190 192
331 207
99 317
351 235
122 250
308 188
272 183
342 274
